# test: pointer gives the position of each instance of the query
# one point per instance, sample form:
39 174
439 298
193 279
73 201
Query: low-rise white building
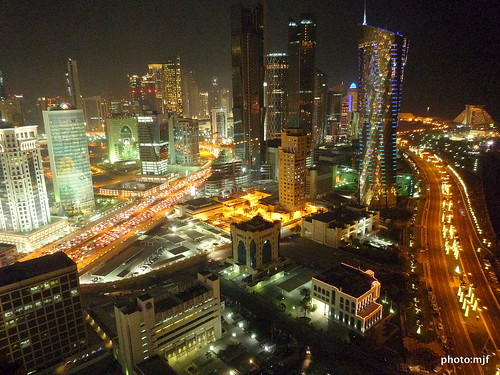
342 224
348 295
171 324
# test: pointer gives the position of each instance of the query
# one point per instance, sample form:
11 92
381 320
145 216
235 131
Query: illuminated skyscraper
172 92
23 196
295 147
301 57
247 45
73 84
3 95
183 137
153 142
275 99
218 119
382 57
69 159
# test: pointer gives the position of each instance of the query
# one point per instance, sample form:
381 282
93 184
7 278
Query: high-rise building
190 94
219 124
11 110
319 109
292 155
275 100
334 112
69 159
247 45
382 57
152 130
351 106
42 319
301 60
94 109
214 97
149 100
228 176
73 84
135 88
3 94
172 94
24 203
183 137
122 138
203 110
155 71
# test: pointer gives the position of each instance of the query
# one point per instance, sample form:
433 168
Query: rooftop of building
21 271
338 217
200 202
255 224
348 279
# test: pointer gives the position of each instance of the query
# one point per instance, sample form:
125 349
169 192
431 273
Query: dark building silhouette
247 44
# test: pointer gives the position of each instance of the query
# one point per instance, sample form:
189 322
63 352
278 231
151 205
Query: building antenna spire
364 15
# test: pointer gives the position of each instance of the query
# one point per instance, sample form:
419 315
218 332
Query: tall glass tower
275 100
382 57
301 56
69 159
73 84
247 50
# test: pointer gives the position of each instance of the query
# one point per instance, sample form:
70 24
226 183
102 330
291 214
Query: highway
442 266
106 234
471 264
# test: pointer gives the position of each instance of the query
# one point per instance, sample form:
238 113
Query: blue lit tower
382 57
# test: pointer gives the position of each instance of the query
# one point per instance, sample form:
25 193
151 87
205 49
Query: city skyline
457 65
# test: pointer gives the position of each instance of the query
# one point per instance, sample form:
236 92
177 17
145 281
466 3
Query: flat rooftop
347 279
21 271
255 224
200 202
338 217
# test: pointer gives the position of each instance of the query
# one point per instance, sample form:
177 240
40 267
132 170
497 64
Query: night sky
453 58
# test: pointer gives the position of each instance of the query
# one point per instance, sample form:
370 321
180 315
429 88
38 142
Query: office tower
23 196
3 94
319 109
334 111
295 147
69 159
275 100
172 97
122 138
247 43
255 243
382 56
190 94
94 109
170 321
183 137
152 130
42 315
155 71
301 60
135 88
149 101
11 109
351 104
203 110
214 96
219 124
73 84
